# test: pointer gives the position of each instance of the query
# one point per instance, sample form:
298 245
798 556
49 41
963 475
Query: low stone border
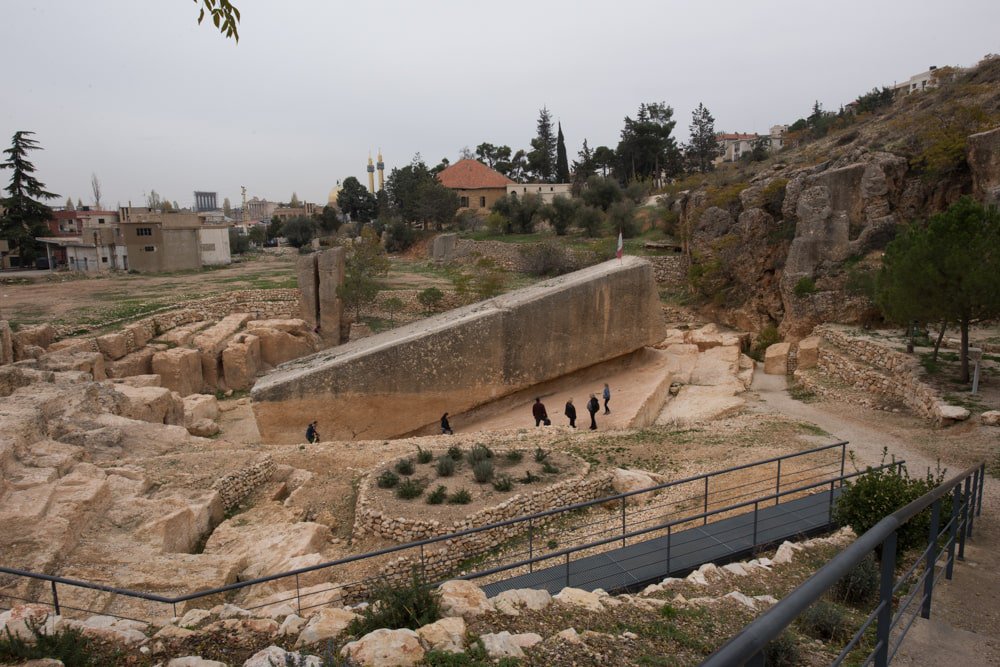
233 488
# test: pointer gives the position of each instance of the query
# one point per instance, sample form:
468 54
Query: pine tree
704 146
562 162
227 208
79 204
542 159
294 202
69 204
24 216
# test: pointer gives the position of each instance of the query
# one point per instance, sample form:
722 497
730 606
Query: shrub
399 236
437 496
825 620
479 453
545 259
540 454
409 489
387 480
404 467
68 645
455 453
767 337
445 466
878 493
529 477
460 497
859 587
804 287
424 455
397 606
621 217
514 456
482 471
549 469
601 192
430 299
590 220
782 651
562 212
503 482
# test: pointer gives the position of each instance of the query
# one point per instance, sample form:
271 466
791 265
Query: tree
704 146
466 153
153 201
430 298
257 235
403 188
224 14
365 264
436 203
441 166
605 159
299 231
647 150
165 205
561 213
393 304
355 200
239 244
227 208
95 189
329 219
562 162
518 170
24 215
585 167
79 204
69 204
947 269
542 158
602 192
273 229
294 201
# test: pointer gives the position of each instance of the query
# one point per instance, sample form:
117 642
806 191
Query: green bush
460 497
387 480
804 287
482 471
540 454
878 493
782 651
399 236
546 259
549 469
409 489
455 453
590 220
503 482
621 217
430 299
859 587
479 453
424 455
404 467
514 456
445 466
68 645
437 496
397 606
767 337
825 620
562 212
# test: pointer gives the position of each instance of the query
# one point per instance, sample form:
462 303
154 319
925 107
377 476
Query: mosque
372 166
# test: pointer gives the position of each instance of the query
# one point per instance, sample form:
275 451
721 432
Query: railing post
55 598
623 521
755 506
930 567
423 563
298 595
965 518
982 477
885 600
843 460
829 505
531 544
567 569
777 485
953 531
669 531
976 482
705 518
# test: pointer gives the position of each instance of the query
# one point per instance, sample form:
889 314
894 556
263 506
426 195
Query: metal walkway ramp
637 565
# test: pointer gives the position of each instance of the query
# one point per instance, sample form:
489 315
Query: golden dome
332 199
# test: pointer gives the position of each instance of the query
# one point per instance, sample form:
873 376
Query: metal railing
525 541
901 599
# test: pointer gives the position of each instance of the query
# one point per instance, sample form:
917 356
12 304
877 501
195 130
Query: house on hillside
477 186
547 191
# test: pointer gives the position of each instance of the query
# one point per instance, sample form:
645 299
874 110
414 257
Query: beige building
288 212
547 191
476 185
173 241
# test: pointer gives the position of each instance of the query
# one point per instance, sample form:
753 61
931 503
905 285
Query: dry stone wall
235 487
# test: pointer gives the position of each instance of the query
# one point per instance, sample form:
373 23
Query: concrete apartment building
737 144
173 241
476 185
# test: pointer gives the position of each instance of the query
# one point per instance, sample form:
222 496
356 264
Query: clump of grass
482 471
387 480
460 497
549 469
859 587
826 621
455 453
445 466
437 496
782 651
397 606
424 455
404 467
540 455
503 482
479 453
529 478
409 489
68 645
514 456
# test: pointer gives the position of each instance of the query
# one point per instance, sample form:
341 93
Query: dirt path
971 601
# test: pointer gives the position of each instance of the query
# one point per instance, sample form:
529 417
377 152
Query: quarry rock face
983 154
397 381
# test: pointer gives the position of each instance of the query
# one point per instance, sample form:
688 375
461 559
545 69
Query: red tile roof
471 174
737 136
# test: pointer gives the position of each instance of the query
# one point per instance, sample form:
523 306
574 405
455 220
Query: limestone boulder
179 369
579 598
38 336
241 361
275 655
288 325
16 620
212 341
91 363
507 645
808 352
157 405
330 271
151 380
179 524
200 406
203 428
359 330
990 418
139 362
949 414
195 661
447 634
626 481
113 345
139 333
308 282
776 359
513 601
181 336
278 345
463 598
386 648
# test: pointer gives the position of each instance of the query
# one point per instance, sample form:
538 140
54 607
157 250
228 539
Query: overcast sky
138 93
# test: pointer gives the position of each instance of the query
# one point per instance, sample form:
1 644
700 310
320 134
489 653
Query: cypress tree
562 162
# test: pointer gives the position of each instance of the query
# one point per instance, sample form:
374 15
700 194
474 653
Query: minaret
381 171
371 175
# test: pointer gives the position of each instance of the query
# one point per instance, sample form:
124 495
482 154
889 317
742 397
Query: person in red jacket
539 413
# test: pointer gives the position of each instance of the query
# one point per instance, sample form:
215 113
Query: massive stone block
330 271
179 370
305 270
241 361
211 342
400 380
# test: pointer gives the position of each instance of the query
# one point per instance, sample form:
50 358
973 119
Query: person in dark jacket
445 426
571 413
311 434
592 407
607 398
539 413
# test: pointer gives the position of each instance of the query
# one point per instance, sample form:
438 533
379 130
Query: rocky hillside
793 241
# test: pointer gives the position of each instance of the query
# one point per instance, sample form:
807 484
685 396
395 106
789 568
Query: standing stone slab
211 342
397 381
305 269
330 271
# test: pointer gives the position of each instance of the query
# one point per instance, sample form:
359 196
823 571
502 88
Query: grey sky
138 93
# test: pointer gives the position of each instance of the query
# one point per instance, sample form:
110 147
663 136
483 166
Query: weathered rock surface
241 361
513 601
275 655
983 153
157 405
328 623
463 598
447 634
283 340
386 648
776 359
179 370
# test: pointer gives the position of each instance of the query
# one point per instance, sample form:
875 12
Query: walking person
607 397
312 435
539 413
592 407
445 426
570 412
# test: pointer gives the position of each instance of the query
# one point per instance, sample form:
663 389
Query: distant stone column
443 247
330 276
308 289
6 343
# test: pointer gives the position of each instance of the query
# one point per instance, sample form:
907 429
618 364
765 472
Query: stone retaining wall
670 270
874 369
233 488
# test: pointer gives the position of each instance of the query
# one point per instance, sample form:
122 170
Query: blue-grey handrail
742 648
